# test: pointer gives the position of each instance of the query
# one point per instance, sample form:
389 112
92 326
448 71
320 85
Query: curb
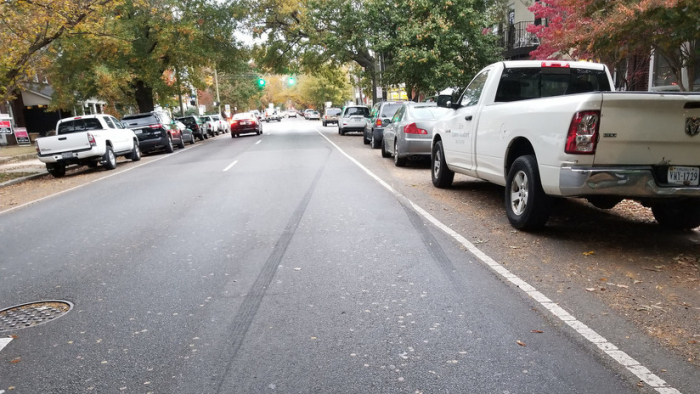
27 156
20 180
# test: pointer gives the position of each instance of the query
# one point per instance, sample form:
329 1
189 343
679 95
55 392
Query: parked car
87 140
410 132
292 114
272 114
330 115
313 115
306 113
213 125
195 124
221 122
353 118
187 134
245 122
155 131
257 114
551 129
381 115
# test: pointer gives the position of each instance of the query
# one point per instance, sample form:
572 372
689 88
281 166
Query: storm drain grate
32 314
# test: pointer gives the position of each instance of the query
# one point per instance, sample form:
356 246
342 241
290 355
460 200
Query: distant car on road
410 133
195 124
331 115
382 113
245 122
313 115
187 134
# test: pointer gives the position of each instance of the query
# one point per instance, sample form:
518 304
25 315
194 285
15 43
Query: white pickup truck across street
87 140
554 129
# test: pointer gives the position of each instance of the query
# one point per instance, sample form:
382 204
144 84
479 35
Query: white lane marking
4 342
230 165
603 344
259 141
97 180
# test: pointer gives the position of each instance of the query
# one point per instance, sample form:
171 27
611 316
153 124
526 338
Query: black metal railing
517 36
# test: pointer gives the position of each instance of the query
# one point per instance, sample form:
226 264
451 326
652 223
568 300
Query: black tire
678 214
201 137
365 140
192 139
109 161
385 154
527 206
398 161
373 143
341 131
135 154
181 144
441 175
58 170
206 136
169 146
324 124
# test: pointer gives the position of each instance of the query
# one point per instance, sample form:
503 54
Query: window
527 83
663 74
362 111
388 110
109 122
78 125
428 112
472 93
398 115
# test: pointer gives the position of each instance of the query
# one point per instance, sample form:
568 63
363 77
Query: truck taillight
583 133
555 64
36 146
91 139
157 126
413 129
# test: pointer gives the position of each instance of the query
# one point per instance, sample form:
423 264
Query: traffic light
261 83
291 81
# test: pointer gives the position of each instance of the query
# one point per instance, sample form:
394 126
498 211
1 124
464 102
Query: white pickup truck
87 140
554 129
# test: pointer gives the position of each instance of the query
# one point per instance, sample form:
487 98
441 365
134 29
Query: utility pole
216 82
179 91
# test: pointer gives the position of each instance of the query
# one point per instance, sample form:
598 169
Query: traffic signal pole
216 83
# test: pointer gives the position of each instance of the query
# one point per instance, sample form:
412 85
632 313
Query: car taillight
378 122
36 146
413 129
157 126
583 133
252 122
233 122
91 139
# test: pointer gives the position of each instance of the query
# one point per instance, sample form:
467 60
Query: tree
28 28
613 30
144 47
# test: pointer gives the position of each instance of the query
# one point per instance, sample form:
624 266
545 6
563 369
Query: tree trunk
143 94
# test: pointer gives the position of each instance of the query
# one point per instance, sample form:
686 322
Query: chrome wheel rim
396 153
112 159
519 190
436 164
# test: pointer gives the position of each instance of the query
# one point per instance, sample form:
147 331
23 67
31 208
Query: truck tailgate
648 129
64 143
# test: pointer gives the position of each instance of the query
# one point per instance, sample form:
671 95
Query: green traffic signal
291 81
261 83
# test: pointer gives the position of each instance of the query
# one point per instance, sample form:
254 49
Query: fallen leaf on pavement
590 289
520 343
537 331
638 282
588 253
15 361
623 286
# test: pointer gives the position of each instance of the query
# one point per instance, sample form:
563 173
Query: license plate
67 155
356 119
245 123
683 175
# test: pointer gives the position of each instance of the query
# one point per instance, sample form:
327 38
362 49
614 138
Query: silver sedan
410 132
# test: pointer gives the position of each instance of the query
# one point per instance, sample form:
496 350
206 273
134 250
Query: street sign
379 92
5 127
22 136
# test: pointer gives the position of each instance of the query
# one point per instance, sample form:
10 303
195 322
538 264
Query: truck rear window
78 125
527 83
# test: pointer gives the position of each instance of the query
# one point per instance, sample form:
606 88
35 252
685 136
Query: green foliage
141 50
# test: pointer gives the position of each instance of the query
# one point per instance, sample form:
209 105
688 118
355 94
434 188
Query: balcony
519 42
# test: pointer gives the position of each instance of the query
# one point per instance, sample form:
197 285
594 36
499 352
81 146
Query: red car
245 122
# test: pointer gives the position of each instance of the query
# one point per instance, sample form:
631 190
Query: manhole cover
32 314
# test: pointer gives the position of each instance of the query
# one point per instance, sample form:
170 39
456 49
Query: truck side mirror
448 97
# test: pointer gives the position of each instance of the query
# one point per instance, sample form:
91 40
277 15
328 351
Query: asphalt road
266 264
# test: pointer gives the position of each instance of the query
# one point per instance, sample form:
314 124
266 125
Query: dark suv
196 124
380 117
155 130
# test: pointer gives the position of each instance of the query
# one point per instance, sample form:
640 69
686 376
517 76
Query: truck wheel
169 146
677 215
135 153
181 145
398 161
442 176
109 161
384 152
341 132
527 206
56 169
365 140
